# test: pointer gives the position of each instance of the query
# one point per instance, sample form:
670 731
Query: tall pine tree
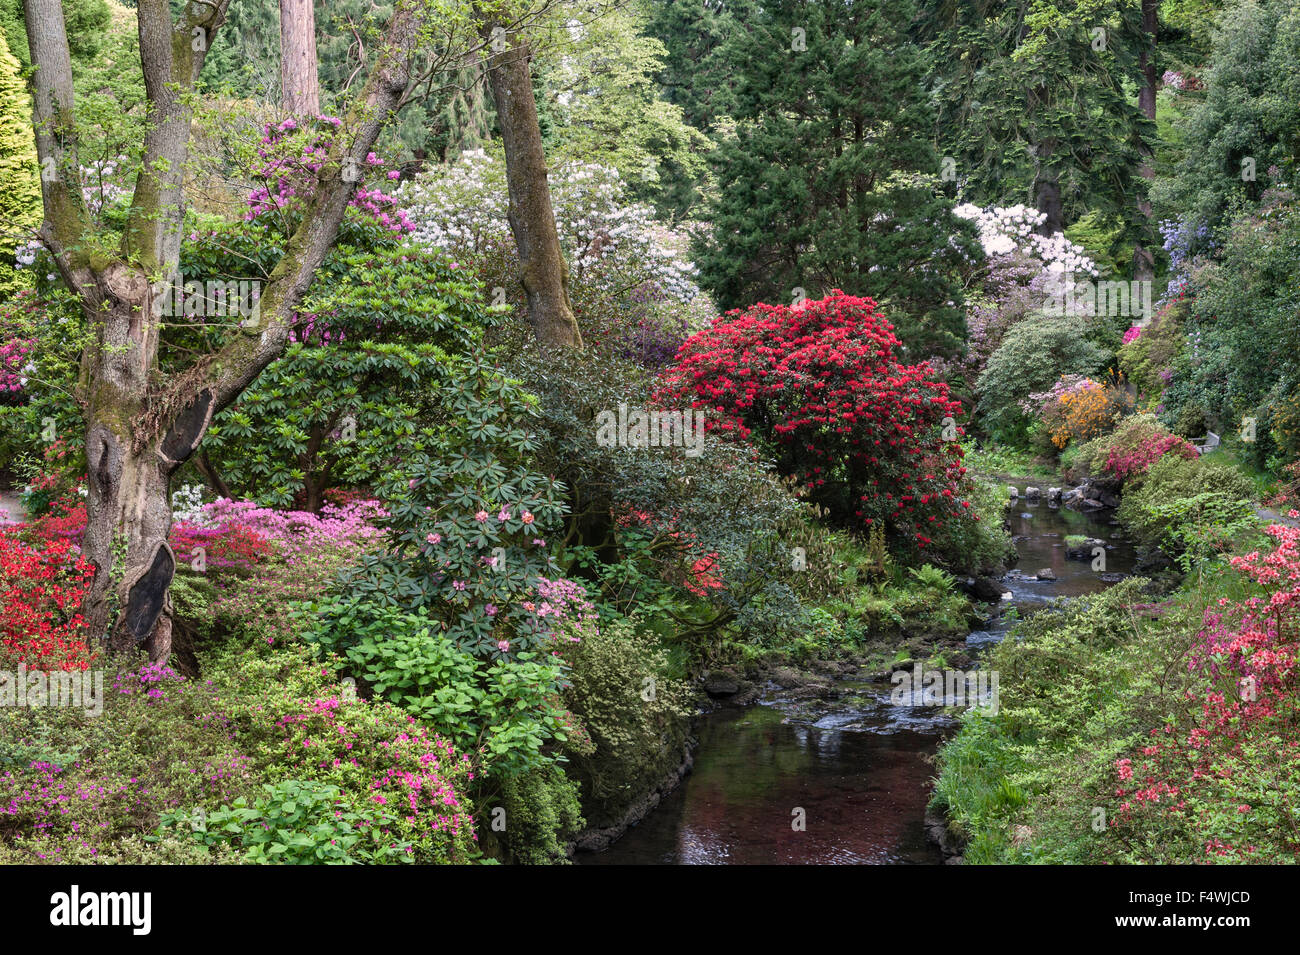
830 180
1036 103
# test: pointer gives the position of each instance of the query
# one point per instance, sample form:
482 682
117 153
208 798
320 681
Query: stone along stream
856 764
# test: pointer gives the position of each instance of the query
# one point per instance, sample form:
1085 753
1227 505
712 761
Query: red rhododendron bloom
818 387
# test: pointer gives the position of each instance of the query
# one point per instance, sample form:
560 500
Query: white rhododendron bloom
611 245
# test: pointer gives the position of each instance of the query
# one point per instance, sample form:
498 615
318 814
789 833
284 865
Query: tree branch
56 141
172 56
242 359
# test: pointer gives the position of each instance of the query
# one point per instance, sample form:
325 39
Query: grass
994 461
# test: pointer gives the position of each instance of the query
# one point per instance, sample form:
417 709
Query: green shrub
1020 784
294 822
632 708
1190 506
504 711
539 809
1154 351
1032 357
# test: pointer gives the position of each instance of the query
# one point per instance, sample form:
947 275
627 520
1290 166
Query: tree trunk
128 499
299 81
1047 184
1047 200
544 272
1144 261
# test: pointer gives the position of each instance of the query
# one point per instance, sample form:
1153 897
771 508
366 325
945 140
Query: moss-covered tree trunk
544 272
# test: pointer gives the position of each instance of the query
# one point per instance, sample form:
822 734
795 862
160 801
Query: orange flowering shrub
1079 409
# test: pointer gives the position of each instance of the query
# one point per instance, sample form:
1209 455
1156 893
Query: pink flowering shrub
351 526
292 158
1139 442
1228 771
16 343
375 750
1128 462
79 790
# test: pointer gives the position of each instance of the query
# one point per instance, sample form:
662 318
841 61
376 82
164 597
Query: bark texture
299 79
142 424
543 269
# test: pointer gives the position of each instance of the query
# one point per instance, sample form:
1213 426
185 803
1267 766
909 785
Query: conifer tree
830 180
20 194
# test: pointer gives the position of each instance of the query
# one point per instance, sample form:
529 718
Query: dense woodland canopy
421 412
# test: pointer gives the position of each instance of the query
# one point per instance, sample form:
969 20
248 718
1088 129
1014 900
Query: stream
858 766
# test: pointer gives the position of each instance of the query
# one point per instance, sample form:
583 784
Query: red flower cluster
40 604
818 386
1127 462
228 546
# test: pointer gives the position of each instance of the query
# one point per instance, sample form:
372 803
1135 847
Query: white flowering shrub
612 246
187 504
1024 275
1009 230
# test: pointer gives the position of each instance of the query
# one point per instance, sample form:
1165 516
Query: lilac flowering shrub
291 156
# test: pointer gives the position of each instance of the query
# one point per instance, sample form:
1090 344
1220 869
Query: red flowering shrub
1230 771
41 589
818 387
228 546
1129 460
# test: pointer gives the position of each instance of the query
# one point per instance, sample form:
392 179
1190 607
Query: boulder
1012 491
1046 574
1053 495
720 683
983 588
1085 550
1032 494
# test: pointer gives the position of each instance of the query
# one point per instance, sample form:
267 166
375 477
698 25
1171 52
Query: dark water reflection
861 770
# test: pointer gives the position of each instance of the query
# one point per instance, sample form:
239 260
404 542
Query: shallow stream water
858 767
